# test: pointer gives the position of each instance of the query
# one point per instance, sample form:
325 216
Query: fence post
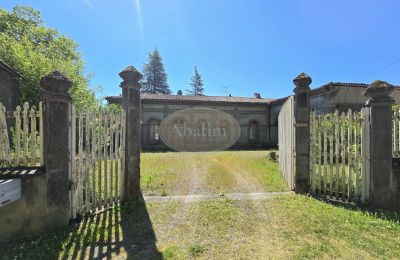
302 132
56 146
379 104
131 103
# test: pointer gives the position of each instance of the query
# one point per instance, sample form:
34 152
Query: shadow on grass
123 231
389 215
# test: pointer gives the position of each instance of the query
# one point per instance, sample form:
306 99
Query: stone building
326 99
258 117
9 86
251 113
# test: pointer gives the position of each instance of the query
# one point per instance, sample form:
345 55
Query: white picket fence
338 163
97 146
25 145
286 141
396 133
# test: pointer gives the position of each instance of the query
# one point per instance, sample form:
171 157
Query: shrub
273 155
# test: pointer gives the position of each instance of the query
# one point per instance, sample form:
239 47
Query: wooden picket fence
286 140
396 132
21 136
338 165
97 146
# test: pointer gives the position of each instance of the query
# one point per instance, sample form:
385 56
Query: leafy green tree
196 85
154 76
35 50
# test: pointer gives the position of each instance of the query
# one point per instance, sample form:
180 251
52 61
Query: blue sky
248 45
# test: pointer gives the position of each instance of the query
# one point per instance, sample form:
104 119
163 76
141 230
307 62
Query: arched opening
253 132
153 131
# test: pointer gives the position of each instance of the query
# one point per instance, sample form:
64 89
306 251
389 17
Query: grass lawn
282 227
209 172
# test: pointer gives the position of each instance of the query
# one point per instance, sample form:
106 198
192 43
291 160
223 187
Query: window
154 136
253 132
203 127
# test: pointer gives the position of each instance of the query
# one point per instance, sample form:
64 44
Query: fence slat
87 158
80 160
337 155
349 154
122 155
17 115
93 158
25 131
312 151
319 174
356 157
112 157
40 116
32 119
331 175
117 154
73 163
105 151
343 153
100 158
325 128
5 151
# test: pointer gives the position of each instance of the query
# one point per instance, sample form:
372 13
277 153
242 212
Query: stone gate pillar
302 132
131 103
56 146
380 104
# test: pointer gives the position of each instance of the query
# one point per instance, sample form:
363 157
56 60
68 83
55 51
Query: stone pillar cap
302 80
56 82
130 74
378 90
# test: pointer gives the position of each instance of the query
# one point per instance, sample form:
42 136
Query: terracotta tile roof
347 84
197 99
229 100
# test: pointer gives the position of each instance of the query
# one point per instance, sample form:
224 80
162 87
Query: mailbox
10 191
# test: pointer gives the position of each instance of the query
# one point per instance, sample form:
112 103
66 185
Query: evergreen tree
154 76
196 85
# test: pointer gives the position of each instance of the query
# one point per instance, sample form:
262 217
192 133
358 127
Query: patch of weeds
171 252
196 250
163 193
153 181
273 155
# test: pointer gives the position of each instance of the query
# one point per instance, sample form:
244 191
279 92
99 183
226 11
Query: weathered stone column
379 104
57 110
131 103
302 132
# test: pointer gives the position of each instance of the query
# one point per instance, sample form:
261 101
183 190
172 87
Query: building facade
9 86
251 113
258 117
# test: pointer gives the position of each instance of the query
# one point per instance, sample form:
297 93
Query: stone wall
26 216
9 89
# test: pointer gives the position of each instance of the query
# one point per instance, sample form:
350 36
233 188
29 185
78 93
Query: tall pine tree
196 85
154 76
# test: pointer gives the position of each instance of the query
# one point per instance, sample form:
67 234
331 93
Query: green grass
282 227
209 172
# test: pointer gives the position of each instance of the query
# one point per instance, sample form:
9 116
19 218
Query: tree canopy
196 85
154 75
34 50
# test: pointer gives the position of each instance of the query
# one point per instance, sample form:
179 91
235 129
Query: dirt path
206 197
197 182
